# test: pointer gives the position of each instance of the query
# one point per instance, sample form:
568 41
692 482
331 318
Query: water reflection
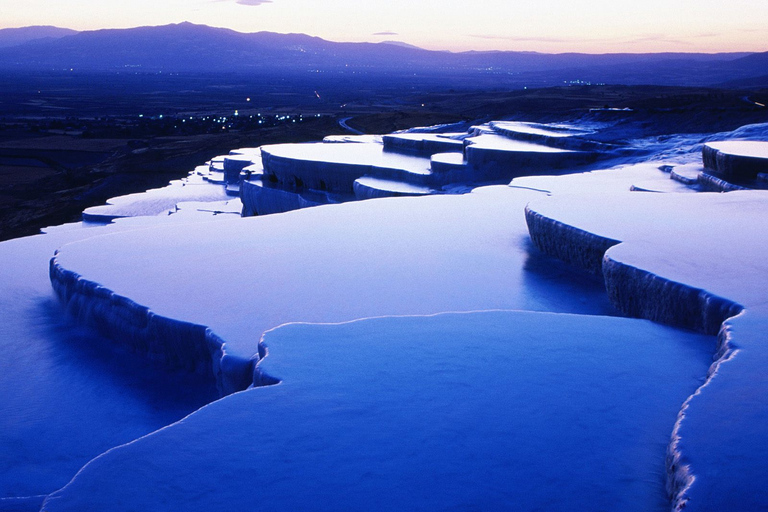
69 395
562 287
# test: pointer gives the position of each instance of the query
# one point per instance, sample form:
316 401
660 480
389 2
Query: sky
554 26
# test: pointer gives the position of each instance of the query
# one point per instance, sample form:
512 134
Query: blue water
68 395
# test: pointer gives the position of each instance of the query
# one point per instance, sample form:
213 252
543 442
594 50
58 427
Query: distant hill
186 47
17 36
751 62
189 47
748 72
400 43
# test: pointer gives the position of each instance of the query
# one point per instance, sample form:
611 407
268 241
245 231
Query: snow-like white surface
157 201
450 138
754 149
365 139
545 130
231 207
396 187
251 153
217 164
380 257
665 186
501 143
586 402
238 158
430 142
372 155
728 225
469 411
616 179
448 158
686 173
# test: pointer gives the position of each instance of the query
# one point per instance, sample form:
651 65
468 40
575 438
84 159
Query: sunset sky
597 26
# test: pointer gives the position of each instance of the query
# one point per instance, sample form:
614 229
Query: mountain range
17 36
187 47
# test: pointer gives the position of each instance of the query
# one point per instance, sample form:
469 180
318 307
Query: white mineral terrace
342 139
726 224
357 260
425 142
736 160
157 201
372 155
428 355
546 130
449 158
393 187
754 149
451 138
501 143
698 261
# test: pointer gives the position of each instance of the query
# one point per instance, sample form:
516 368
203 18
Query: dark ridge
186 47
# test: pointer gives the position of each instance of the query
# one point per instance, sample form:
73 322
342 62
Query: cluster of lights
580 82
226 120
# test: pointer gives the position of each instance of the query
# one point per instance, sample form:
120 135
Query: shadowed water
69 395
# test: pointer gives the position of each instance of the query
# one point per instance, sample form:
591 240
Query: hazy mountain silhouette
745 68
17 36
187 47
751 62
400 43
